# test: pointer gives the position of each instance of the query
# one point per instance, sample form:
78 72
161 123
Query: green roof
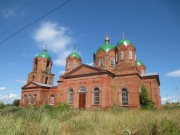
105 47
44 54
74 54
123 42
139 63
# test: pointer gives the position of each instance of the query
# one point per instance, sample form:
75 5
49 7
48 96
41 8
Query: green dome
124 42
74 54
105 47
44 54
139 63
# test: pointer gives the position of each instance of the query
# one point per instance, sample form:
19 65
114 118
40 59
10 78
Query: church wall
153 89
99 81
132 84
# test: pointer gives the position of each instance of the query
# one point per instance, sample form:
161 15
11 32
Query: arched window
82 89
96 96
112 62
142 71
124 97
122 55
24 100
130 55
52 100
101 63
68 65
71 96
74 65
29 99
35 98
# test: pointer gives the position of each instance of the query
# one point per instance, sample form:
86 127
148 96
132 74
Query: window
96 96
34 99
112 62
130 55
46 80
122 55
52 100
71 96
142 71
74 65
24 100
29 99
124 97
116 57
101 64
68 65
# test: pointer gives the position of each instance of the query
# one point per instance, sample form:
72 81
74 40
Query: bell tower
41 72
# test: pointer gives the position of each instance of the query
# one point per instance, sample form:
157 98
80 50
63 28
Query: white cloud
90 64
61 72
169 99
21 81
175 73
2 88
9 98
7 12
57 39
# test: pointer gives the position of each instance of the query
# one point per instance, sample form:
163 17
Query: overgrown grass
59 120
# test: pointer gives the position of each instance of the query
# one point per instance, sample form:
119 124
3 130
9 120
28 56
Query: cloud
169 99
9 98
61 72
7 12
175 73
57 38
21 81
90 64
2 88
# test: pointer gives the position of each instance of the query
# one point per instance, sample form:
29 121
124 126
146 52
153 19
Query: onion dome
139 63
123 42
74 54
105 47
45 55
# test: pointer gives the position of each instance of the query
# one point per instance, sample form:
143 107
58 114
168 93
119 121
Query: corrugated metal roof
149 74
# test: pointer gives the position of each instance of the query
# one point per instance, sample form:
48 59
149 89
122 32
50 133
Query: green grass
59 120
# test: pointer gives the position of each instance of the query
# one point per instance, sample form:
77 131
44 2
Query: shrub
2 105
63 106
16 102
144 99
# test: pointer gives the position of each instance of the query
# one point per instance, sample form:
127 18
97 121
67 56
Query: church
115 79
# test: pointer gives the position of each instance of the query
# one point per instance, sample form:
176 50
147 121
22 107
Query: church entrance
82 98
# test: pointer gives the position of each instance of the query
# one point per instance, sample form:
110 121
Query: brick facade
115 79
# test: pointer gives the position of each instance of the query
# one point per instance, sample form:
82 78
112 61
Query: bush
145 102
2 105
63 106
16 102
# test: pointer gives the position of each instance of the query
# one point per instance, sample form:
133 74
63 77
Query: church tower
72 61
104 57
41 72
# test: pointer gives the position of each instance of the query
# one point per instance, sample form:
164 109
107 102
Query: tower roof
139 63
44 54
74 54
105 47
125 42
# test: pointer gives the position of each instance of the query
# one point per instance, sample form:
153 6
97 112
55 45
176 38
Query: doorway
82 98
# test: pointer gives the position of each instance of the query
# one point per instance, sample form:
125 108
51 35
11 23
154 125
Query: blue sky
153 26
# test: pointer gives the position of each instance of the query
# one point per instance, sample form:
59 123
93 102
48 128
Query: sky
153 26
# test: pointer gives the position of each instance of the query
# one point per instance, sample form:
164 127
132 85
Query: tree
145 101
2 105
16 102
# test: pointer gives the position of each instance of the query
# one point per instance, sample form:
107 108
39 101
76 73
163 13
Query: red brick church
115 79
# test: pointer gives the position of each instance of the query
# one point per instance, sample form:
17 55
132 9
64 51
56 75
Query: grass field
56 121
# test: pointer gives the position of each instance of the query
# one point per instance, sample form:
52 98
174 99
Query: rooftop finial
74 48
107 39
45 48
123 35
